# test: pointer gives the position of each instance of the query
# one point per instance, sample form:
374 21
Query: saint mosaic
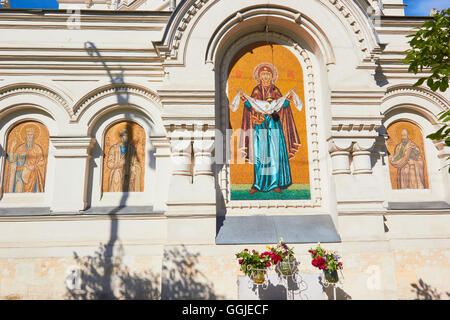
407 160
268 131
26 158
124 158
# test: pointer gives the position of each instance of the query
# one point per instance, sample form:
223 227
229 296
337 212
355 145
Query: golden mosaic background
290 76
18 134
136 138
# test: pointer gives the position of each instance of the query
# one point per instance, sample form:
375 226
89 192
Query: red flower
253 251
319 262
268 264
245 249
240 261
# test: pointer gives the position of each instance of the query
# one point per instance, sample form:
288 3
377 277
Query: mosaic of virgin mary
269 136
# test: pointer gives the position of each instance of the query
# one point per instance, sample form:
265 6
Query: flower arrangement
282 256
280 252
253 264
328 262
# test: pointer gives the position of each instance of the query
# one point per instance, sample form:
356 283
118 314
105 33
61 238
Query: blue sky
415 7
422 7
34 4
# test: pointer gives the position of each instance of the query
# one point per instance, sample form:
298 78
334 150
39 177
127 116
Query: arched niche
107 130
435 184
26 175
307 77
273 212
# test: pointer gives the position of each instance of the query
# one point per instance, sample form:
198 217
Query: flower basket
331 275
287 267
258 276
329 263
254 265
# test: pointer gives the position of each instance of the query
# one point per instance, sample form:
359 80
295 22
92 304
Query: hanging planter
329 263
254 265
283 257
287 267
331 275
258 276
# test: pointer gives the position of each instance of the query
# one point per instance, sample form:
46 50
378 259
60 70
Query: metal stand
264 285
326 284
296 279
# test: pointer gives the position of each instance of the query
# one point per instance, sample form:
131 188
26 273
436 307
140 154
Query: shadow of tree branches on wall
424 291
181 279
103 277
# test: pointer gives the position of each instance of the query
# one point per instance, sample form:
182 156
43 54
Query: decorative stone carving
120 90
361 152
5 3
26 88
181 148
408 91
203 159
339 150
171 45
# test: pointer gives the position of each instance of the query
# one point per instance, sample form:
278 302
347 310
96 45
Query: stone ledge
268 229
432 205
121 210
37 211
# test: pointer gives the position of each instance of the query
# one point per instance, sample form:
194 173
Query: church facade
144 143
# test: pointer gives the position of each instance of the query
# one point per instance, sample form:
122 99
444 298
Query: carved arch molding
356 21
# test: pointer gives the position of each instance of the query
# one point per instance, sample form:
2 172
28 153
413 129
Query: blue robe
270 154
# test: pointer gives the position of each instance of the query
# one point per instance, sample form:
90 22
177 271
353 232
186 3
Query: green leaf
420 82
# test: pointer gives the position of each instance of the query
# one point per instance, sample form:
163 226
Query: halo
37 130
268 65
408 126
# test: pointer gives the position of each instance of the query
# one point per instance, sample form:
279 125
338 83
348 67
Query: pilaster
72 156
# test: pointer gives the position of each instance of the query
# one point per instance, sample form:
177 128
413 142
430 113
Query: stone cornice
72 147
354 97
89 19
184 96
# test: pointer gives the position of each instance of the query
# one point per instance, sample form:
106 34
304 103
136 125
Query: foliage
254 260
444 132
430 50
325 261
